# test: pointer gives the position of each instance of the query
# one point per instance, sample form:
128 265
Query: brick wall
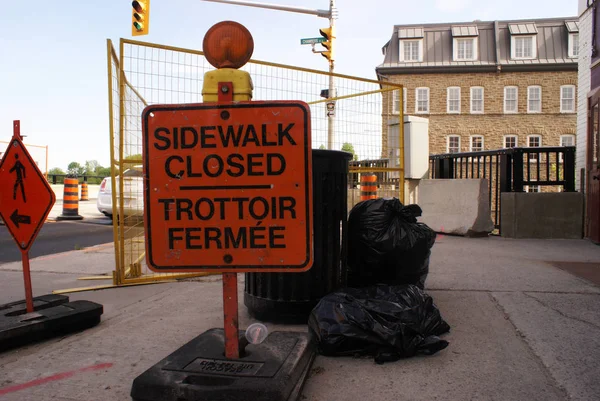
493 124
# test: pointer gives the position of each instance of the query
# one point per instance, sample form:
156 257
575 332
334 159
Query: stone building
486 85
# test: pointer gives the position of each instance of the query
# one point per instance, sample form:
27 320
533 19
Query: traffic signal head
140 17
329 35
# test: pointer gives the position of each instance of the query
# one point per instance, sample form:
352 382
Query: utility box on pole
416 147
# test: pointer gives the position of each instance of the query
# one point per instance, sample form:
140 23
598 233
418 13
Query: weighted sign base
274 370
53 315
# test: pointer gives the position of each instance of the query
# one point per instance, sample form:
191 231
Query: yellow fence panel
147 73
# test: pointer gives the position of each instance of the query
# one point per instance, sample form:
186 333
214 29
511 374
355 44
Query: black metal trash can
290 297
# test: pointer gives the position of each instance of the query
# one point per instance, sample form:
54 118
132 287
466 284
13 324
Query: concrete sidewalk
522 328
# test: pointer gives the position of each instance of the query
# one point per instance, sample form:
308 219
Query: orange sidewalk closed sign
228 187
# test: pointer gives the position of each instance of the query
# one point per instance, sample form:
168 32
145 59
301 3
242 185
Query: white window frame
395 101
574 99
513 47
419 47
529 99
448 143
482 100
510 136
455 48
471 143
516 100
534 158
526 188
448 90
573 50
567 136
417 100
560 155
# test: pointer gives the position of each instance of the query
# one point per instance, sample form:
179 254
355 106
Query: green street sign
311 41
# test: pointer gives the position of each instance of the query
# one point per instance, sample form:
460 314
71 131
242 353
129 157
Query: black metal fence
60 178
543 169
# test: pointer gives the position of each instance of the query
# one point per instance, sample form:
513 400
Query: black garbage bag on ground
388 322
386 244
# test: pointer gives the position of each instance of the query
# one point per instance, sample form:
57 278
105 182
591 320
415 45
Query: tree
102 171
322 147
75 168
91 166
56 171
348 147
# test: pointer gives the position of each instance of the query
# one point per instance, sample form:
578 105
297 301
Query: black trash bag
387 322
386 244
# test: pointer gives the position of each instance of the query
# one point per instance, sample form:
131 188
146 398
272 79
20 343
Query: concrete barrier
542 215
458 207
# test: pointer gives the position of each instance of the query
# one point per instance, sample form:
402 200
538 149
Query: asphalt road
55 237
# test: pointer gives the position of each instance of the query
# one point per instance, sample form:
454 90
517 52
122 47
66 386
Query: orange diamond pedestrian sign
25 196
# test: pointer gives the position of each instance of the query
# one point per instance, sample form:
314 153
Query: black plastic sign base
53 315
274 370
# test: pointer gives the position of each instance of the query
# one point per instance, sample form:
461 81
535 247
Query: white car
133 193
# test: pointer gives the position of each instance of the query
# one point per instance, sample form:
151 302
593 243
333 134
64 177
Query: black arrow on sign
19 218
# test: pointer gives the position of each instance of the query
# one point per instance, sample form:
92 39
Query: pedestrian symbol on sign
19 169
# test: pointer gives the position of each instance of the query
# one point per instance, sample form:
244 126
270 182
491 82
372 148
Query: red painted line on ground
441 235
56 377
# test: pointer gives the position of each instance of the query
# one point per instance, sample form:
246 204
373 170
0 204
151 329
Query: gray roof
465 30
572 26
528 28
493 45
410 33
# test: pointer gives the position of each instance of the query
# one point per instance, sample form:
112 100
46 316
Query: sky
53 64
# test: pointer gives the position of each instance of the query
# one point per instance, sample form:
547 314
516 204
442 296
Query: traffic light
329 35
140 17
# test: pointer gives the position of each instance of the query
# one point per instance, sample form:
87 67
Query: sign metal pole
27 281
230 294
24 253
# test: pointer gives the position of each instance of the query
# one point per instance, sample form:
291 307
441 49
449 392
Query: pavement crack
561 312
546 369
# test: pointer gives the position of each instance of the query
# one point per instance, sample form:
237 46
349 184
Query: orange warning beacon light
228 44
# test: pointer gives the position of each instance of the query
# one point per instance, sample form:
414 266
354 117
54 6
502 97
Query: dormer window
465 43
523 41
573 30
411 44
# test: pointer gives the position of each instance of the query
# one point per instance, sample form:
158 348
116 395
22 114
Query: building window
534 141
422 100
411 50
453 144
453 102
476 143
396 101
574 45
567 99
566 140
511 99
465 49
476 99
510 141
534 99
531 188
523 47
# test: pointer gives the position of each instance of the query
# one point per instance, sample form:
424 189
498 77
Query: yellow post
241 81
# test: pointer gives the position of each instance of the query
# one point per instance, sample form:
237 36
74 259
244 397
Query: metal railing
542 169
59 178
